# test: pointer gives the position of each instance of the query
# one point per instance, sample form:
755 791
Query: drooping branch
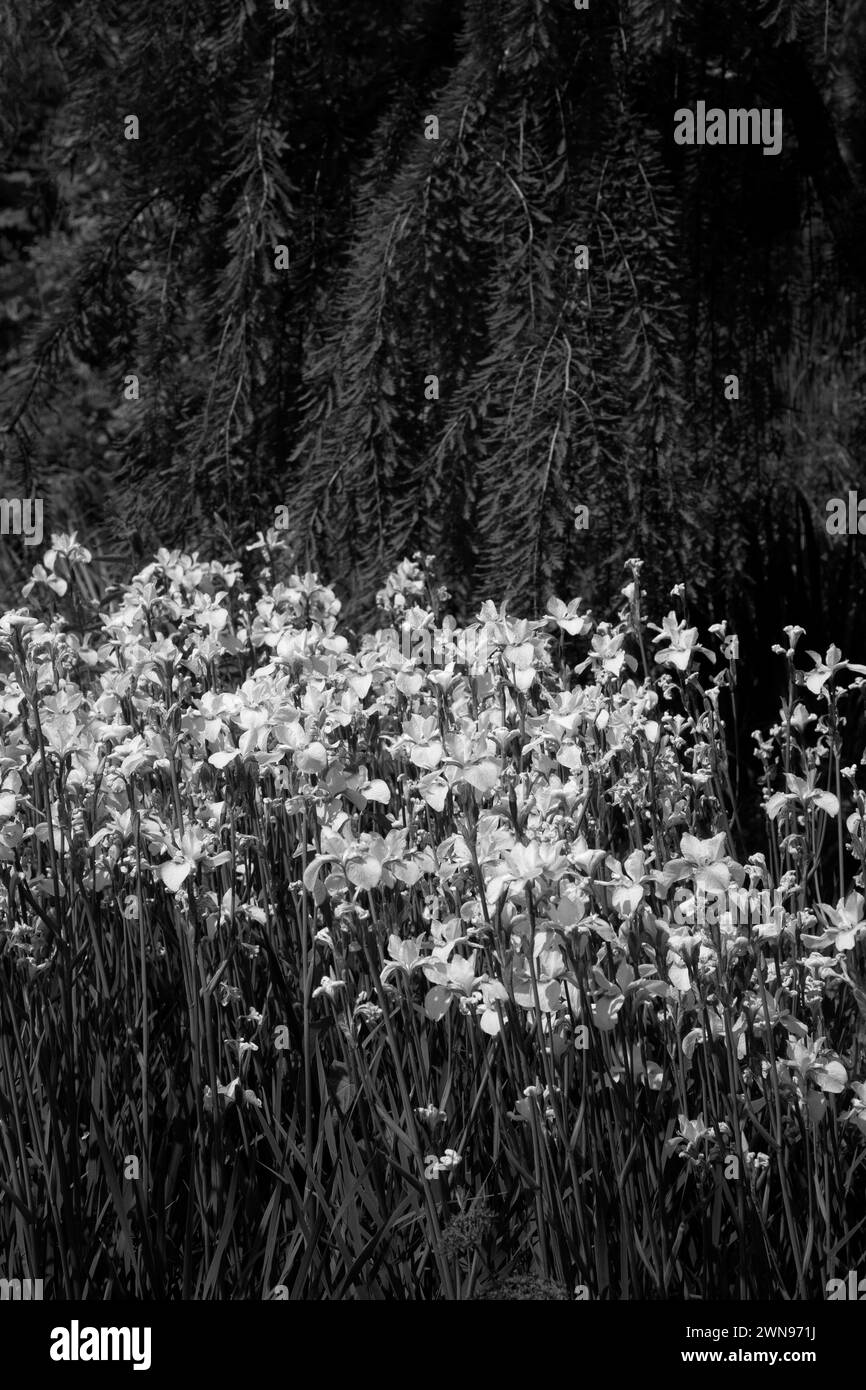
843 202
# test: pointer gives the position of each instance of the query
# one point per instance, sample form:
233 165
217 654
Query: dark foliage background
411 257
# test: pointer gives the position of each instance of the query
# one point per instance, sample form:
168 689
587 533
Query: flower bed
352 969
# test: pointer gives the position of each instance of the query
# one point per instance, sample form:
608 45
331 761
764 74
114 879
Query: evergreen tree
412 258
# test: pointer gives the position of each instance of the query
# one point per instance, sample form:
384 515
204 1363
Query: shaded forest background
411 257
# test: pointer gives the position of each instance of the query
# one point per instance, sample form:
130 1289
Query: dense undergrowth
426 966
